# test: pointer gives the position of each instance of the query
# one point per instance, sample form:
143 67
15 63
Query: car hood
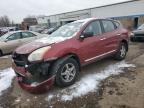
46 41
138 31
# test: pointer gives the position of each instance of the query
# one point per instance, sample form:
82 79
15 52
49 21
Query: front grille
139 34
20 59
24 79
39 71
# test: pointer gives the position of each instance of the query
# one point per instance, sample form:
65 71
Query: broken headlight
38 54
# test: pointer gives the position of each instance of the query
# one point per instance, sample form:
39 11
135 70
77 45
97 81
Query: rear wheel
66 70
1 53
133 39
121 53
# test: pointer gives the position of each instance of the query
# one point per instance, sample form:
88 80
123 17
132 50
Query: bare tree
5 21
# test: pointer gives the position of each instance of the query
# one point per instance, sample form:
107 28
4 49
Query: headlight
38 54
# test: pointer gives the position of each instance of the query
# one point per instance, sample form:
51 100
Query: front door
90 47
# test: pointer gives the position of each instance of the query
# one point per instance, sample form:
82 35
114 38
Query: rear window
108 26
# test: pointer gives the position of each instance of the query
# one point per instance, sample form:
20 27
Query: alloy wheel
68 72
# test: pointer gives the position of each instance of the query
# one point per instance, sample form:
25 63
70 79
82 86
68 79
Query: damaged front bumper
35 77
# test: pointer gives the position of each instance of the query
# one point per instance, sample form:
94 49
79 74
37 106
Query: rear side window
27 34
108 25
94 27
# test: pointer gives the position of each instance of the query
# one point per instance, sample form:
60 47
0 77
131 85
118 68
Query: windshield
3 37
141 27
67 30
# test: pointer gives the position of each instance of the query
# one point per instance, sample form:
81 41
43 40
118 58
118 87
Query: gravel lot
104 84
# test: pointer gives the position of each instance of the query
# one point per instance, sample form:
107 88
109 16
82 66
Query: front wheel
67 71
121 53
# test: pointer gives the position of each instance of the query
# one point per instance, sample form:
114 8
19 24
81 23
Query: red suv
59 57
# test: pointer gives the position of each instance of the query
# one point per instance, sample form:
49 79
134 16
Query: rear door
110 37
28 37
90 47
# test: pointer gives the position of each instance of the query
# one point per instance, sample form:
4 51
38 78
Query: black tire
58 68
132 39
122 51
1 53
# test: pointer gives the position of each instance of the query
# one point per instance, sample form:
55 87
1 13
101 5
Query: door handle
103 39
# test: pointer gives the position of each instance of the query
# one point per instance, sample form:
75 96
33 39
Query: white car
11 40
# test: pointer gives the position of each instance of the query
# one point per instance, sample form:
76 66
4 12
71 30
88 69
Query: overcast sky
18 9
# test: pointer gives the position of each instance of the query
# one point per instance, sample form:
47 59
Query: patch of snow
18 100
89 83
50 106
35 97
6 77
51 40
5 57
50 97
28 100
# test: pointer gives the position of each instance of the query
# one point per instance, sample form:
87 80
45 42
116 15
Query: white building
132 8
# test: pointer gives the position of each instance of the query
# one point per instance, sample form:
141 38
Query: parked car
0 32
37 28
47 31
3 31
137 34
58 58
11 40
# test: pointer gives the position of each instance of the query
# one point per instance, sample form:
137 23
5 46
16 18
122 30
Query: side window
27 34
108 26
94 27
14 36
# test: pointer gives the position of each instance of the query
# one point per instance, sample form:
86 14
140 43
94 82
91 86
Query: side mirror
86 35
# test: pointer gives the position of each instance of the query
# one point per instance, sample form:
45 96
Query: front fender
62 53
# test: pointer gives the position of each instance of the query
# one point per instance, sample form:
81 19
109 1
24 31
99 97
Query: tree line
5 21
